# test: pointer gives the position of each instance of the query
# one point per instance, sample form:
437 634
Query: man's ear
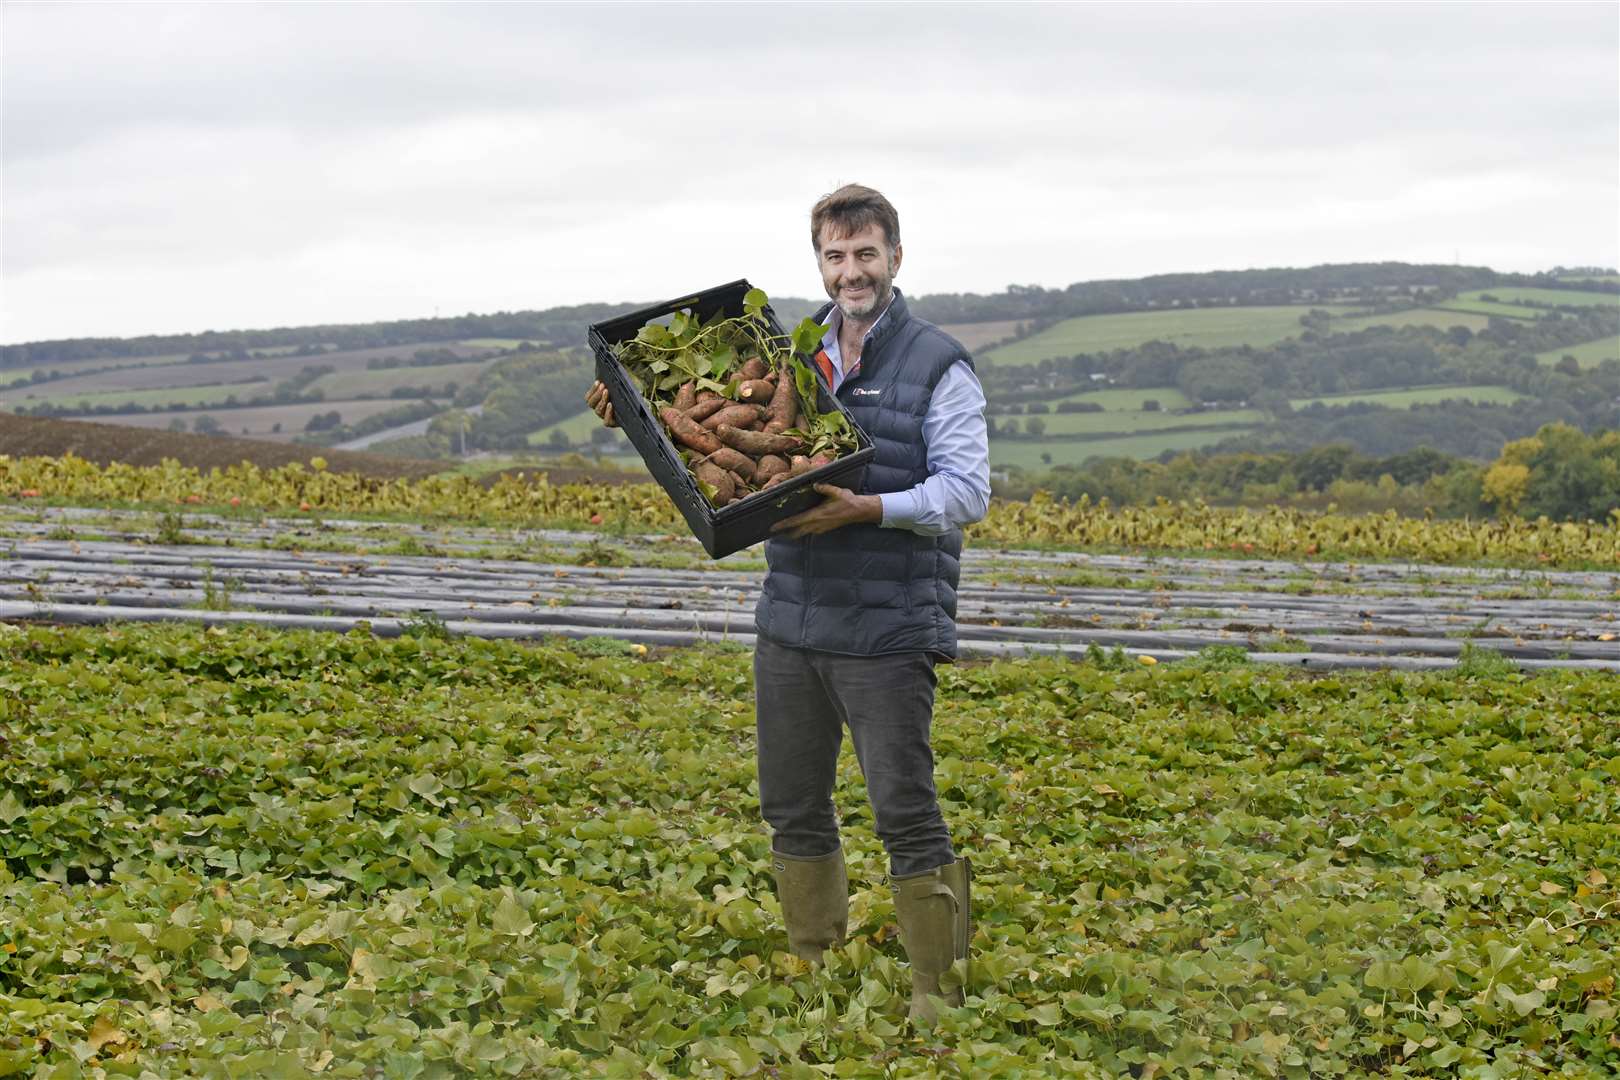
898 252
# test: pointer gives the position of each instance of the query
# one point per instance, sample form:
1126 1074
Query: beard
860 311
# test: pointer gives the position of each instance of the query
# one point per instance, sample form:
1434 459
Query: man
860 602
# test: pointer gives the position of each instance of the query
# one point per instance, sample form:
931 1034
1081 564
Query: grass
1486 307
1555 297
1428 395
1027 452
1588 355
258 420
578 428
1443 320
1207 327
1124 400
1125 423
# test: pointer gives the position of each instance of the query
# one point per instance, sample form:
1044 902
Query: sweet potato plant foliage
249 853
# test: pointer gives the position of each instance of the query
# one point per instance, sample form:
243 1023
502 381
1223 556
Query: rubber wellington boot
935 926
815 901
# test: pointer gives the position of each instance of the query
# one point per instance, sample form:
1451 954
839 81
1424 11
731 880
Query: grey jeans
803 701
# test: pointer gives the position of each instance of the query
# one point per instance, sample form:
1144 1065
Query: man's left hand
841 507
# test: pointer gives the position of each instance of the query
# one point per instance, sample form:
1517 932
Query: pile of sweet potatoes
745 442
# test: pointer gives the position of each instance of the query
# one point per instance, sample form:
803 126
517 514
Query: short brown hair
852 208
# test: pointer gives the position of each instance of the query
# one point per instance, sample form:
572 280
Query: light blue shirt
957 491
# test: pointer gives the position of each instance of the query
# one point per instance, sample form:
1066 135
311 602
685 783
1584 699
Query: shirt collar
835 322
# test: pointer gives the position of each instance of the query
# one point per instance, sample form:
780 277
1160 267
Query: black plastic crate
747 521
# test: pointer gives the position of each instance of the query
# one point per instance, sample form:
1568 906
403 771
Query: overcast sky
182 167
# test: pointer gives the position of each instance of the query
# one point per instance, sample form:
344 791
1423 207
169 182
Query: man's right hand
597 398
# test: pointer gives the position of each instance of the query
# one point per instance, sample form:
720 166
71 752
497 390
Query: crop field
1098 424
976 336
178 395
322 794
354 384
239 851
1554 297
491 343
258 420
1426 395
530 501
152 376
1207 327
1588 355
1027 453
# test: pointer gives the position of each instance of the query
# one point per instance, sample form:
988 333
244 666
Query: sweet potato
686 396
736 415
769 466
756 443
687 431
739 486
818 460
757 391
707 407
735 460
754 368
725 489
799 465
777 479
783 411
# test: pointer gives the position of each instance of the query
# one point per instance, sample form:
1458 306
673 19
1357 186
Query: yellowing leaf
1148 660
1103 789
206 1002
1596 879
1551 888
103 1033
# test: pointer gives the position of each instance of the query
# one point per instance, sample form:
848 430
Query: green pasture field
380 382
1209 327
1027 452
1130 400
1610 279
1486 307
1588 355
491 343
578 428
187 395
1555 297
242 852
1427 395
1059 425
1443 320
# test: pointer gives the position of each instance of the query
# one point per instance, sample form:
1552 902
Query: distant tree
1038 407
1568 365
559 439
1046 458
177 424
1035 426
207 425
275 428
1151 405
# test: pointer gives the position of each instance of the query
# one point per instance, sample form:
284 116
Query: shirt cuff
899 509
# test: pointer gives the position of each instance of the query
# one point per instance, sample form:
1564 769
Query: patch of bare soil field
982 335
81 566
269 370
105 443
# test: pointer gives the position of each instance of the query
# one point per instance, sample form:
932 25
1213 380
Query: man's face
858 270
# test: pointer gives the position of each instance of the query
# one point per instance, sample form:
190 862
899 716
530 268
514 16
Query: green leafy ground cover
260 854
